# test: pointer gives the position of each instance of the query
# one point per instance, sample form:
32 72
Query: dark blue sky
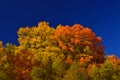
102 16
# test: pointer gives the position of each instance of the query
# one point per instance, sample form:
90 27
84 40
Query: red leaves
80 40
23 63
99 39
54 52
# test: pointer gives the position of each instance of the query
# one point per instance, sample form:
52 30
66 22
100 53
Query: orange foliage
23 63
69 60
114 59
73 43
77 40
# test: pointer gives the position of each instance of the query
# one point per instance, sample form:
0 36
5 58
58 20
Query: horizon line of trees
61 53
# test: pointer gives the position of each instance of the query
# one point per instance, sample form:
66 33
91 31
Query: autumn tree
3 60
76 72
35 37
38 41
77 40
23 61
6 61
107 71
65 53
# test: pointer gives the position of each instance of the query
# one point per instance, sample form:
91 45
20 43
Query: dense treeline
65 53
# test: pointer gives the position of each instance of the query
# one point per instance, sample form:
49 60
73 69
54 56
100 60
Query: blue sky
102 16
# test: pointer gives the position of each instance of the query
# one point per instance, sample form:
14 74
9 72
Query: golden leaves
112 58
72 40
1 46
66 47
34 36
87 50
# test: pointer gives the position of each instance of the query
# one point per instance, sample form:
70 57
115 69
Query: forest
62 53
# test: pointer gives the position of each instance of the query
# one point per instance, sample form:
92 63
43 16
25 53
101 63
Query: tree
23 61
107 71
34 37
65 53
79 40
50 69
76 72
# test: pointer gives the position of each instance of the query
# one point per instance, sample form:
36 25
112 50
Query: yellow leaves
0 44
6 65
3 58
52 49
1 47
87 49
23 31
35 37
112 58
48 48
33 40
41 24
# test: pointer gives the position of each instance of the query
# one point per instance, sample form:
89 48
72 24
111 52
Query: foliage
107 71
52 70
76 72
3 76
79 40
65 53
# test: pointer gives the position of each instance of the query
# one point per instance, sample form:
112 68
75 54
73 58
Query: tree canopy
61 53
